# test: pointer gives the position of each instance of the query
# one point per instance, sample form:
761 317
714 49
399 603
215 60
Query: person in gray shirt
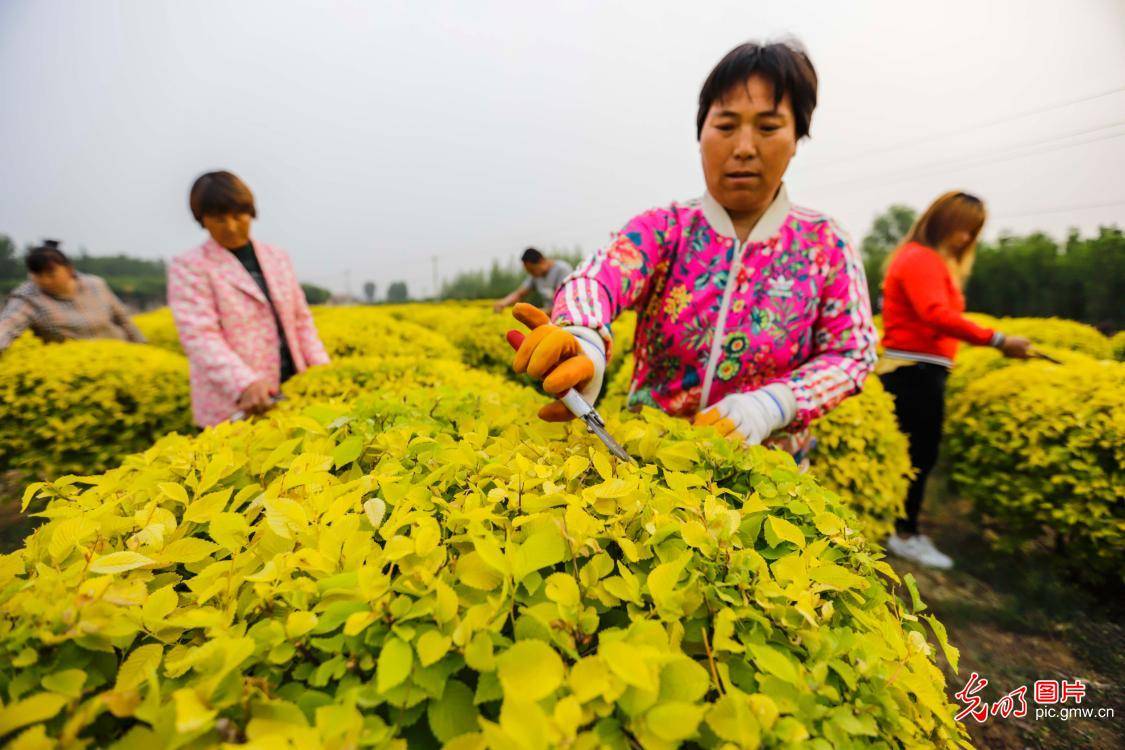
544 274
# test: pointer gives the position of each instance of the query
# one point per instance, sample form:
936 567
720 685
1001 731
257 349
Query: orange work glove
559 358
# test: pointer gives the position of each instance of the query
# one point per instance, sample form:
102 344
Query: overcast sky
377 135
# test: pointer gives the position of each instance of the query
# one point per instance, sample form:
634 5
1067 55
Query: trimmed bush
1040 450
160 329
1052 332
862 456
83 405
974 363
372 331
435 566
860 453
1117 344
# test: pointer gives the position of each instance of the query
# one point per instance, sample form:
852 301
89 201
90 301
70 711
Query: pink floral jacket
716 316
227 328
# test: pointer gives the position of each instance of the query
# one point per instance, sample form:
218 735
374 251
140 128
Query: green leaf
174 492
589 678
662 582
837 577
395 661
159 604
299 623
684 679
135 670
530 670
674 721
454 713
349 449
732 718
432 646
204 508
68 682
540 550
189 550
917 605
37 708
562 589
952 654
230 530
772 661
119 562
474 572
191 713
779 530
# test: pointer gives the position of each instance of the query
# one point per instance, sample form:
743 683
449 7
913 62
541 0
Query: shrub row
427 567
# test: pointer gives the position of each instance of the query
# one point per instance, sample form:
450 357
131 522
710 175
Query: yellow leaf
119 562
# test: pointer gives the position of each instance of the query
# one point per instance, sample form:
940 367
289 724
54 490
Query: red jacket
922 308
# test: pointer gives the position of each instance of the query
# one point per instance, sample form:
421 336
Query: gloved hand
752 416
563 358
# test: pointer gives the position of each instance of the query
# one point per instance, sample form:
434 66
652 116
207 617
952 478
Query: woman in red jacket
923 324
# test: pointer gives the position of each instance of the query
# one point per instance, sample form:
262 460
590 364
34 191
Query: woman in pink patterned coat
241 314
752 313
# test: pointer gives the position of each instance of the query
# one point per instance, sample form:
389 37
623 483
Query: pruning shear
1040 355
577 406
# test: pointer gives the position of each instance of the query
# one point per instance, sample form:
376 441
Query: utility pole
436 291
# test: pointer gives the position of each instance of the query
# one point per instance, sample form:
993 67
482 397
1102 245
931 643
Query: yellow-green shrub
1063 334
435 566
82 405
349 378
1053 332
473 329
1041 448
23 342
1117 343
159 329
973 363
861 454
367 331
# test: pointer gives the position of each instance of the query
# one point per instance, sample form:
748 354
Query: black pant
919 392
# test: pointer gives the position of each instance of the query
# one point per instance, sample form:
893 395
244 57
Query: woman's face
232 231
746 145
56 280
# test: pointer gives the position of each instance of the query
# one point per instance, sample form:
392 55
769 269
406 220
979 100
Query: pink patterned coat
717 316
227 328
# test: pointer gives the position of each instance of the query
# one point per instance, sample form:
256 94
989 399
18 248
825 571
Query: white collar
767 226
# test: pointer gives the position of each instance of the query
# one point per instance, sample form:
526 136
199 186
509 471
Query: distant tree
369 291
397 292
316 295
885 234
10 266
499 279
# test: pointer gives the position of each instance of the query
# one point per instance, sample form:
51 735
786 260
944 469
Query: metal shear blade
595 425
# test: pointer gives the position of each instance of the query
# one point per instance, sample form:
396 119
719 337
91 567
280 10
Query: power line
978 126
1021 151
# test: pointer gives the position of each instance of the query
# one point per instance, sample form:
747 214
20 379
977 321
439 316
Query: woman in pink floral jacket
241 314
753 314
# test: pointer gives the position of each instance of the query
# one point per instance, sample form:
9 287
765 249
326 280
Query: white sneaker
918 548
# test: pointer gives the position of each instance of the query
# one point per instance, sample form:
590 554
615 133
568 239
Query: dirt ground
1016 619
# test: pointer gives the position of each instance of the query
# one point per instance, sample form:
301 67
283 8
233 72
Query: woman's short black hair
785 65
218 193
531 255
45 257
